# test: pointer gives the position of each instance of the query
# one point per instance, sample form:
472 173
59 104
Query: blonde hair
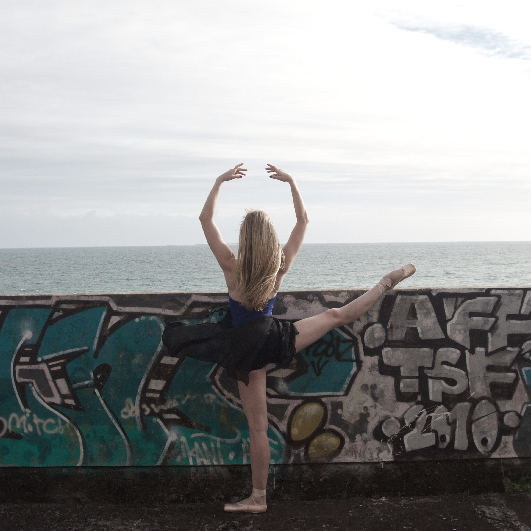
259 259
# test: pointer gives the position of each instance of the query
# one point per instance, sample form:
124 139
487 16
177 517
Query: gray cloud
485 40
130 111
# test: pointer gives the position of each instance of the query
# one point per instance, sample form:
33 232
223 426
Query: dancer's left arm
221 250
294 243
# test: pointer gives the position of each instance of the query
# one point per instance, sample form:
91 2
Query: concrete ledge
296 482
433 383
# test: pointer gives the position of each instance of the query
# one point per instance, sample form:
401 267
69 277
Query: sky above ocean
401 121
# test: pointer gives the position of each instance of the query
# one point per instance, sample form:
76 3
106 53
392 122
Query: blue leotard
241 315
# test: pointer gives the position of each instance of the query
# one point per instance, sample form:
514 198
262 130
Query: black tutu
239 349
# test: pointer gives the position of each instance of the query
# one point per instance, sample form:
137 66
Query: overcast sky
401 121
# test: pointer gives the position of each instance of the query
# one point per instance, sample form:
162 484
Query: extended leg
315 327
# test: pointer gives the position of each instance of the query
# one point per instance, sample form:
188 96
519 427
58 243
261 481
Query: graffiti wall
438 374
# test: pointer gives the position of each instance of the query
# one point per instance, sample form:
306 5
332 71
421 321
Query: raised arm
221 250
296 238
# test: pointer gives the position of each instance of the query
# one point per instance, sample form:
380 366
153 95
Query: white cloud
132 108
492 43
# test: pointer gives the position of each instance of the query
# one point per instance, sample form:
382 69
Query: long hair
259 259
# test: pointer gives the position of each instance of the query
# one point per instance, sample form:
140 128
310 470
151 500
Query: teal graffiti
331 365
31 434
72 394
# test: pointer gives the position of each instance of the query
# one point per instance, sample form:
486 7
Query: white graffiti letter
425 322
459 327
436 384
480 378
409 360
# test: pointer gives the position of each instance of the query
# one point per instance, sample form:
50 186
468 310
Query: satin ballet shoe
407 271
246 507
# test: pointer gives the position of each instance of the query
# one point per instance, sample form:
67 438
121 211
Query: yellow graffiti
306 420
323 445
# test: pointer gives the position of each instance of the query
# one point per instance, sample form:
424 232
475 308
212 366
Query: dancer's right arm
221 250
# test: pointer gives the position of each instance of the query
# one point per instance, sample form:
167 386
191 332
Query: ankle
383 285
259 496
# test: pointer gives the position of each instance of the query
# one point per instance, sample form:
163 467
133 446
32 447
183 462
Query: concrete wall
426 374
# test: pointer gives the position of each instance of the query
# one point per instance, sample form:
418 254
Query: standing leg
254 402
315 327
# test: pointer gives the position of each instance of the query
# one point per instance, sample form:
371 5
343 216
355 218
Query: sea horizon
282 243
189 268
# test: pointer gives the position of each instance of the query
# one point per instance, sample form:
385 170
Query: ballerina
253 338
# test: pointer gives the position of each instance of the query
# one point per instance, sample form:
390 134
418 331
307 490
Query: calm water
193 268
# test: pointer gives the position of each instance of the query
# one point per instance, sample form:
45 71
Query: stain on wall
426 374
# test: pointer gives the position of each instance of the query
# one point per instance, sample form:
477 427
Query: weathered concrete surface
489 512
293 482
439 374
428 393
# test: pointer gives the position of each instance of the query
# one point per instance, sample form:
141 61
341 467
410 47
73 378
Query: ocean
318 266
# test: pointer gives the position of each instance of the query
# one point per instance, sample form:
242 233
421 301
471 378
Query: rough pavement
485 512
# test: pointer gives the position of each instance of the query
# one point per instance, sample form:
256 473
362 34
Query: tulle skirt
239 349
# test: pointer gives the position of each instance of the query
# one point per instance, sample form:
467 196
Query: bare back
235 294
224 255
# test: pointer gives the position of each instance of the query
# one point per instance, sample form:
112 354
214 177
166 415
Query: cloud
485 40
131 112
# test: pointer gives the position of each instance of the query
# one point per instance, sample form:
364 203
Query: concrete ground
484 512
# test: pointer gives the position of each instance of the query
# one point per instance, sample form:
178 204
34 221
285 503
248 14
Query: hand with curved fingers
278 174
235 173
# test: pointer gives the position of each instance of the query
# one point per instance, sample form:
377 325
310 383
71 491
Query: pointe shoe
408 270
247 507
